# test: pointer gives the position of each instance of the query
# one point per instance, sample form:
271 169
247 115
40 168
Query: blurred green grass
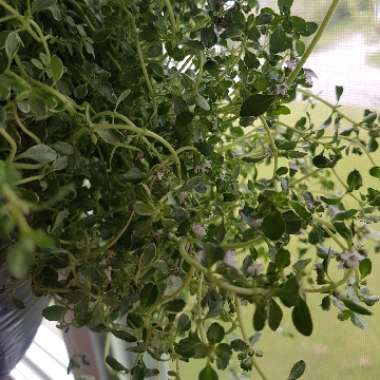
337 350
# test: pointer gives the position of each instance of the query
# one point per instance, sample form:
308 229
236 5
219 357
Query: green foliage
134 144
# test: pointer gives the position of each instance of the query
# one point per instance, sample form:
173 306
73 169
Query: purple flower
291 64
200 256
230 258
309 76
199 230
350 259
182 196
255 269
281 89
205 167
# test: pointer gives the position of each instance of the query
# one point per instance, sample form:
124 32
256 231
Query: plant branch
245 335
217 281
130 126
272 145
314 42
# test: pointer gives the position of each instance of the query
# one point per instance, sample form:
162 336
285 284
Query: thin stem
143 65
357 143
239 314
11 142
200 73
17 208
30 179
22 166
331 287
21 19
68 102
117 237
177 368
328 227
24 129
217 281
332 106
225 148
171 15
244 244
184 285
245 335
130 126
199 310
345 186
311 174
272 145
43 39
314 42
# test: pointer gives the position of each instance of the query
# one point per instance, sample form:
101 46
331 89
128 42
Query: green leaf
134 174
40 153
148 256
56 68
375 172
149 295
260 317
354 181
274 226
123 96
208 373
192 347
223 353
355 307
302 318
193 183
202 103
338 92
175 306
275 315
300 47
293 223
297 371
54 313
365 267
124 335
282 258
285 6
279 41
209 37
256 105
41 5
116 365
20 258
184 119
215 333
239 345
326 303
251 60
144 209
12 44
323 162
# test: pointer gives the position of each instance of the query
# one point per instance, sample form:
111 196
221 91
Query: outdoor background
349 56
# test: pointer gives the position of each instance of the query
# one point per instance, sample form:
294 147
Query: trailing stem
314 42
245 336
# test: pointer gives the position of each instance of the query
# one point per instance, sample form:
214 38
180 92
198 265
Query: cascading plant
149 183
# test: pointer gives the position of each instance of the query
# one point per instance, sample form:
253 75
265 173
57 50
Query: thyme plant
149 184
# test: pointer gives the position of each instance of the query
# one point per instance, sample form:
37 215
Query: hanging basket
20 317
